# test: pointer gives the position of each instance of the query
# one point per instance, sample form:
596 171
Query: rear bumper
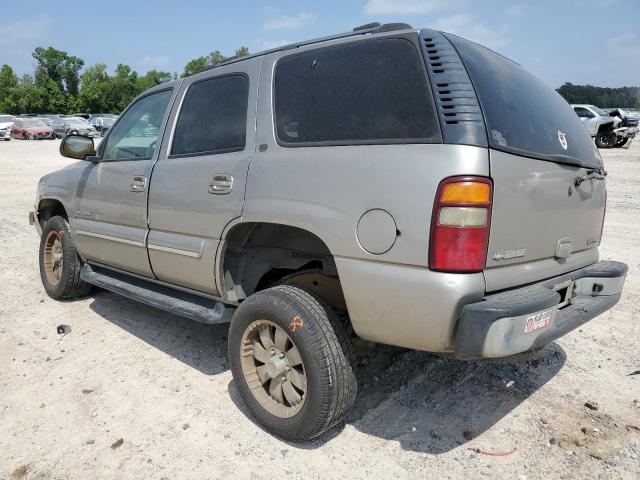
527 318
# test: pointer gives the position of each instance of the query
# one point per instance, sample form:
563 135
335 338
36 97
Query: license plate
538 321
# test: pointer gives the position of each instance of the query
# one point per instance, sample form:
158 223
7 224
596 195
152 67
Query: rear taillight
460 225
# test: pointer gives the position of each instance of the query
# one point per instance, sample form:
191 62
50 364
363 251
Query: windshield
76 121
524 115
33 123
6 118
600 112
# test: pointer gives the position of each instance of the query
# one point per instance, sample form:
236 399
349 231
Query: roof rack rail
373 27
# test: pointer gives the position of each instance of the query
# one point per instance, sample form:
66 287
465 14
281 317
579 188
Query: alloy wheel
53 257
273 368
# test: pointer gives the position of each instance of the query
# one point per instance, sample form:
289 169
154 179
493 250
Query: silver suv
396 185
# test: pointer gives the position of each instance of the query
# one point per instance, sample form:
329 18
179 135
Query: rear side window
213 118
524 115
366 92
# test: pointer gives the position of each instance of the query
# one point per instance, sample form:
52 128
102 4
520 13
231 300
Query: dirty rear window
524 115
366 92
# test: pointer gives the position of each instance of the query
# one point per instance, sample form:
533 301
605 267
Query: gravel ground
134 392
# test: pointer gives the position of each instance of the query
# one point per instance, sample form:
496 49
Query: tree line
624 97
59 84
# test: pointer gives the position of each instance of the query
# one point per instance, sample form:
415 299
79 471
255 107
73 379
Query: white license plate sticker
538 321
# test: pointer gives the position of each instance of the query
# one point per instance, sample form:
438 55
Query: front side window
213 117
135 136
366 92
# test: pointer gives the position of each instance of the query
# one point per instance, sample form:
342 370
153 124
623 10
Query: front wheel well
258 255
50 207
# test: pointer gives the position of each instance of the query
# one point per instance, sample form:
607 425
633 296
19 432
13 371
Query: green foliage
624 97
214 58
242 52
58 86
8 90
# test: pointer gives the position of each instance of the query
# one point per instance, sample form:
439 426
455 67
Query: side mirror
77 146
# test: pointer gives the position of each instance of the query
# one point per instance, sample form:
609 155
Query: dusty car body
31 129
377 183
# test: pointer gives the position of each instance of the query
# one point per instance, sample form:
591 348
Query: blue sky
580 41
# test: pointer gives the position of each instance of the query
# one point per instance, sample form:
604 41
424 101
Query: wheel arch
256 255
49 207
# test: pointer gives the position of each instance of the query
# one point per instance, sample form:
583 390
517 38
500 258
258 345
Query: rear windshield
523 115
365 92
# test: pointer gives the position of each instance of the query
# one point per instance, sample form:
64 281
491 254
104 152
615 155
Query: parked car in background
6 121
271 205
81 115
628 128
73 125
31 129
102 122
599 124
49 118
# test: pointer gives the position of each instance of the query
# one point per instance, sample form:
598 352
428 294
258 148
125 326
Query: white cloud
465 26
290 22
20 38
403 7
22 31
155 61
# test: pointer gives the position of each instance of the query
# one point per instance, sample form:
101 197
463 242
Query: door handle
138 183
220 184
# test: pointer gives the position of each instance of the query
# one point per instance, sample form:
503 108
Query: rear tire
277 331
59 262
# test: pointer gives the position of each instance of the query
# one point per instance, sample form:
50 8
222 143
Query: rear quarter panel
326 190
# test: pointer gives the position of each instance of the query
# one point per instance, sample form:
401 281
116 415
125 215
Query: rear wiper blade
591 175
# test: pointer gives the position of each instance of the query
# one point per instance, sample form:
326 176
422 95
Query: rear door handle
138 183
220 184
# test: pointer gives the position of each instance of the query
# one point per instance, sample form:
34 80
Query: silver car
74 126
6 121
398 185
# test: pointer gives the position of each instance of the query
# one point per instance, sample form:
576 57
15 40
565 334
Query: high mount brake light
460 225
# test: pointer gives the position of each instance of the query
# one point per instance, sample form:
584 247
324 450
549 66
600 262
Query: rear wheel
291 362
59 262
606 139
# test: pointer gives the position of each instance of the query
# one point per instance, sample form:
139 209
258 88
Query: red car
31 129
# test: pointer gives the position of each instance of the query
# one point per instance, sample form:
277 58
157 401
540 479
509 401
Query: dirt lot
162 384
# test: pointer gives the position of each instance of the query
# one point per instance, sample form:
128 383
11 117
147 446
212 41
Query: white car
6 121
599 124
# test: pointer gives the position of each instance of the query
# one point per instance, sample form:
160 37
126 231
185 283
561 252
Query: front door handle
220 184
138 183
